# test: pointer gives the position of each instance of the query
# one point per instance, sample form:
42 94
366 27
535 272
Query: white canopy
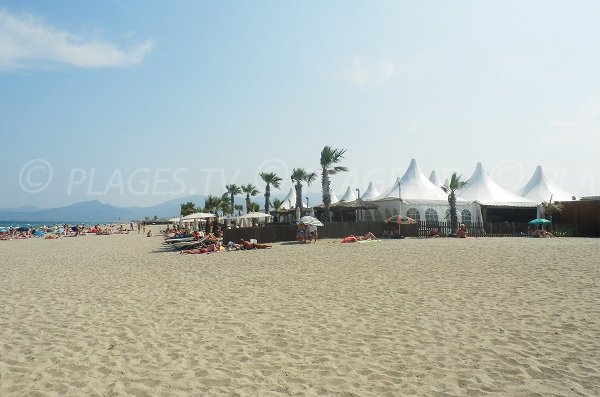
198 215
540 188
349 195
333 197
289 201
257 215
414 185
483 189
371 193
433 178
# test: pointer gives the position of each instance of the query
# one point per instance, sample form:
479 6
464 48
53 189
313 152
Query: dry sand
111 316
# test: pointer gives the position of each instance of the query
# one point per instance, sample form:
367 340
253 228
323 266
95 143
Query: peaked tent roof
483 189
433 178
333 197
414 185
370 193
289 201
349 195
539 188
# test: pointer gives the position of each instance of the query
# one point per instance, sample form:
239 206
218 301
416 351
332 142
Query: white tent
349 195
289 201
414 195
370 193
414 185
333 197
433 178
540 188
484 190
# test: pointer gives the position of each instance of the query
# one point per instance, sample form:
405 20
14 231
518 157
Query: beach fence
490 229
475 229
275 232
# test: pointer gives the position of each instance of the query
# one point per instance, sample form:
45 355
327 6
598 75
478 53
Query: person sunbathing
231 246
250 246
200 250
353 239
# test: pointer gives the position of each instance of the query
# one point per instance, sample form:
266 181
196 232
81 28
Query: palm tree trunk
232 200
453 214
299 195
267 198
326 195
247 203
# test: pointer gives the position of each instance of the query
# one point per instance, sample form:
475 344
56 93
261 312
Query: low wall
274 232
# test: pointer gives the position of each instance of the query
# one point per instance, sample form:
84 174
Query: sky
139 102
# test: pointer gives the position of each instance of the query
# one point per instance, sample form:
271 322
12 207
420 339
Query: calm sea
34 224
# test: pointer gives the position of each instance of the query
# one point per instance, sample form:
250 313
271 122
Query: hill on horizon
95 211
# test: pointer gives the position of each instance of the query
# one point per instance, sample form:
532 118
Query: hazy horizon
136 103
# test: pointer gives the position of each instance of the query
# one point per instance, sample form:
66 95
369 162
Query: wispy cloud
27 40
366 73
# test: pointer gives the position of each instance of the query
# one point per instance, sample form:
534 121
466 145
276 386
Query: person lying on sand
231 246
250 246
214 247
539 233
201 250
354 239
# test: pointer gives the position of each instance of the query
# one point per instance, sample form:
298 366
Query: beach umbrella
400 220
198 215
309 220
539 221
256 215
23 229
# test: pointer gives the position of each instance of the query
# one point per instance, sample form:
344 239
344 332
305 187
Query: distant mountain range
95 211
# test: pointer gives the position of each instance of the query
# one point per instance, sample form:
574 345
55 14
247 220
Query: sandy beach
115 316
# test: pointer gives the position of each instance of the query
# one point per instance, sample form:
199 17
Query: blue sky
138 102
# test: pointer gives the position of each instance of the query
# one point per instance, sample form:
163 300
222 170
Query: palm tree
300 175
187 208
232 190
238 208
329 157
212 204
551 208
271 179
277 203
250 190
253 207
456 183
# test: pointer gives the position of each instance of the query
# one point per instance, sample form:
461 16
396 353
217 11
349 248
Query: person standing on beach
312 233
